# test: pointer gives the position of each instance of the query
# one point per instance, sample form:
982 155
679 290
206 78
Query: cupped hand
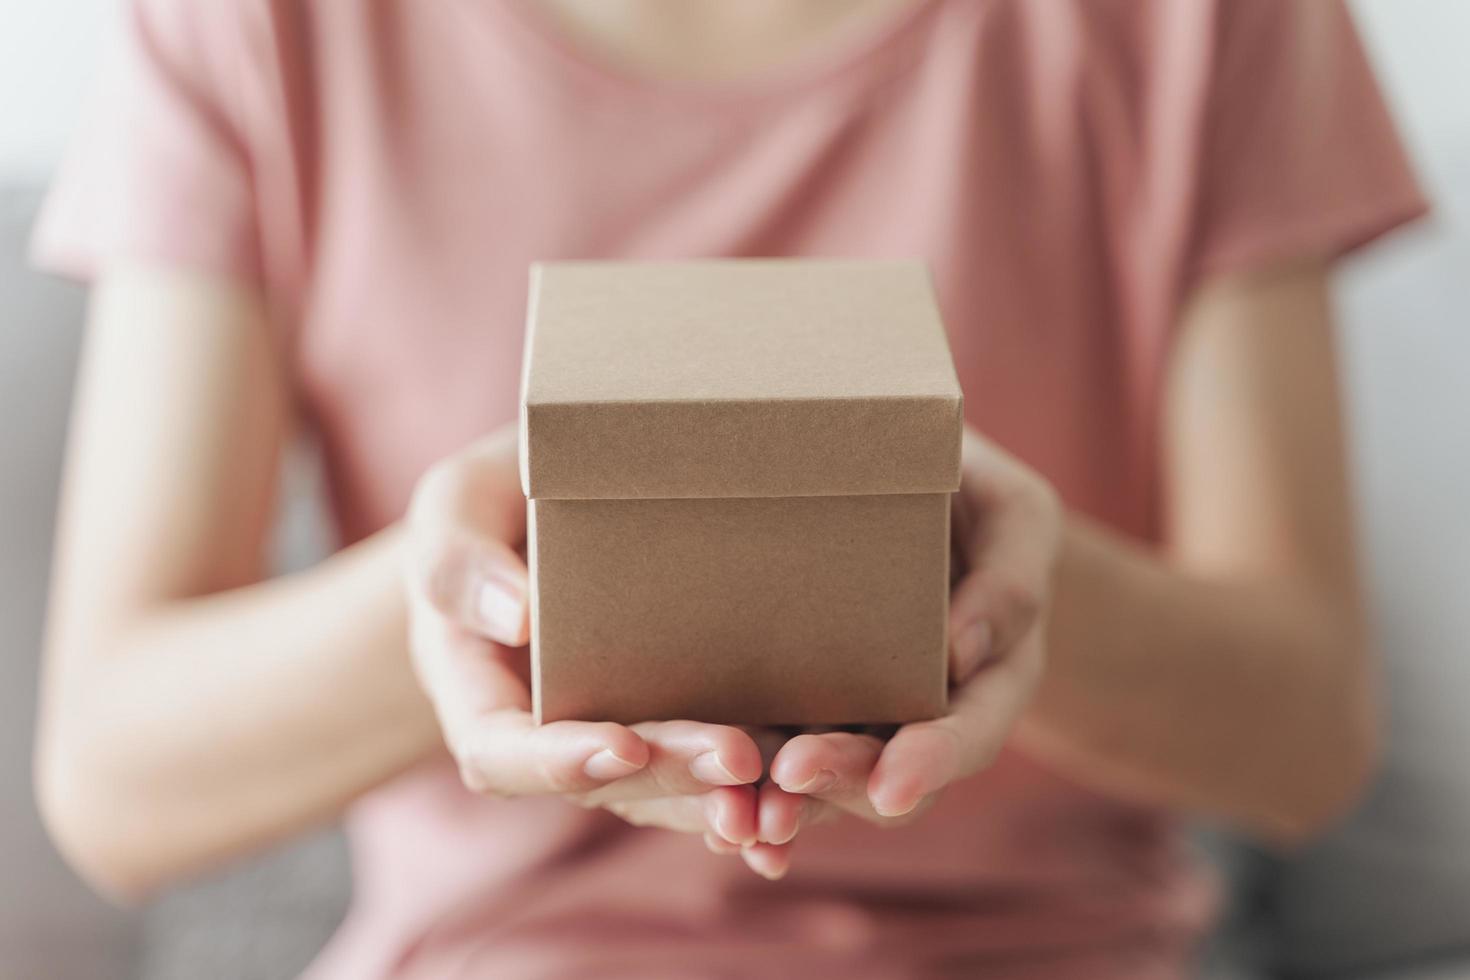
1008 528
468 626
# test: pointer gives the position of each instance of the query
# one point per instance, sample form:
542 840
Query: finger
926 756
731 813
507 753
725 817
718 845
478 582
770 861
477 487
769 741
1000 601
483 708
831 769
464 674
466 519
1011 521
781 815
825 765
778 815
686 757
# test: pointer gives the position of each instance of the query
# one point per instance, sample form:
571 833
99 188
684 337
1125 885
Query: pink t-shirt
1071 170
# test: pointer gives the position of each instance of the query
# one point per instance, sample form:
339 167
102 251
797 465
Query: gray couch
50 926
1387 896
264 919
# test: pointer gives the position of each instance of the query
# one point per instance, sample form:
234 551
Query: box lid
736 378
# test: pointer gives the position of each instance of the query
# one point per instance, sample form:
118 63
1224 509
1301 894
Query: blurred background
1386 896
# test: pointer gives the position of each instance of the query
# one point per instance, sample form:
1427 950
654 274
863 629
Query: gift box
738 476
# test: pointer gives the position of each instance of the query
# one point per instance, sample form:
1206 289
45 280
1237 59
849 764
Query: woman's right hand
468 628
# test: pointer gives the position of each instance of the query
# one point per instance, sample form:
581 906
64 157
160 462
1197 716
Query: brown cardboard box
739 476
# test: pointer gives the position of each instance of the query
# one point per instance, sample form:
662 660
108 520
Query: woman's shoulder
221 35
1143 40
1151 40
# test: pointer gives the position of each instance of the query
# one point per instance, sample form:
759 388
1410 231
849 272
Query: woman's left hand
1008 530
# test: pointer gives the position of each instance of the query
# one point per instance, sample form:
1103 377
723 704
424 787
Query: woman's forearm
1250 700
206 726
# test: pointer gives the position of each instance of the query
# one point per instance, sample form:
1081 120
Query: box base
759 611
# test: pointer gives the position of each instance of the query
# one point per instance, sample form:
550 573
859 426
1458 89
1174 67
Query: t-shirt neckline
831 61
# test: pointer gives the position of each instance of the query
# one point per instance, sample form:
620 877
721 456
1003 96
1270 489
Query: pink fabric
386 171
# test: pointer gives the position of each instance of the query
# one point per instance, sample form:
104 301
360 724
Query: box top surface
737 378
736 329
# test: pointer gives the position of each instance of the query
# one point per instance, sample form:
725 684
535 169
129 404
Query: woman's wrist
405 716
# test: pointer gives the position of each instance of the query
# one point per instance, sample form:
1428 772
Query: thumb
477 582
466 517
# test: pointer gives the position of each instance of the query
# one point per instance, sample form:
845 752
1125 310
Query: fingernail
971 647
718 818
821 781
758 865
708 768
786 838
727 834
888 810
500 608
607 764
474 780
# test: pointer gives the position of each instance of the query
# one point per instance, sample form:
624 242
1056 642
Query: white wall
1422 52
47 49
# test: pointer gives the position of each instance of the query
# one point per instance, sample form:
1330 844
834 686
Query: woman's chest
412 317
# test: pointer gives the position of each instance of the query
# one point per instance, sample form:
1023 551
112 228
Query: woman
322 215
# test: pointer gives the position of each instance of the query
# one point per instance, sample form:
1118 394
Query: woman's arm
190 710
1226 673
1229 673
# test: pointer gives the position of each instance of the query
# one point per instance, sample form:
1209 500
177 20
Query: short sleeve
1299 153
159 170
